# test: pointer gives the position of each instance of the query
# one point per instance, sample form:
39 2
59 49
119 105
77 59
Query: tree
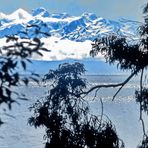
13 57
128 55
65 113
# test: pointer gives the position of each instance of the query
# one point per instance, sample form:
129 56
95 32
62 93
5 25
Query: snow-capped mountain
71 36
88 26
19 14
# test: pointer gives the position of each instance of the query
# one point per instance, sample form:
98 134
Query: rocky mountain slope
88 26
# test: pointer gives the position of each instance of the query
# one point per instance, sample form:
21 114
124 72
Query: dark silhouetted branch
121 85
141 88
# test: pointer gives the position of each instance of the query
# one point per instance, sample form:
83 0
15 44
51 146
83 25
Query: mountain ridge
71 37
87 26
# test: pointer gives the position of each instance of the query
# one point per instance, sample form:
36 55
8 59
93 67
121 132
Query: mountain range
70 36
87 26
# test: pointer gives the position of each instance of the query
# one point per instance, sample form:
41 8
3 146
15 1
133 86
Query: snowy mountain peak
2 15
19 14
89 16
78 28
40 12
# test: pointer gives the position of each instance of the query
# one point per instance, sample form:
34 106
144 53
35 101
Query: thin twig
122 84
141 88
95 94
102 111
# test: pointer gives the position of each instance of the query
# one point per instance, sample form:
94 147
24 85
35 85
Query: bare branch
102 109
96 93
121 85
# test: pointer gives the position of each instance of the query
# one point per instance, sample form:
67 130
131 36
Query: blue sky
110 9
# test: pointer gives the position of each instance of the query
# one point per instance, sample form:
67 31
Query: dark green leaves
142 98
14 58
66 114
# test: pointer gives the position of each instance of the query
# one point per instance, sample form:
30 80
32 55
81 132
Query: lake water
123 112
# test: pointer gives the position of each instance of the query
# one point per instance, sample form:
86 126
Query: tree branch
121 85
141 88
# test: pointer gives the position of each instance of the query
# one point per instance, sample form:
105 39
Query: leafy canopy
66 114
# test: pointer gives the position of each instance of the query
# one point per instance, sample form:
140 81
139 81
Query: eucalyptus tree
129 55
65 113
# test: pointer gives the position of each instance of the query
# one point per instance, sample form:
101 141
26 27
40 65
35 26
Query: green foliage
13 58
118 50
129 55
142 97
66 114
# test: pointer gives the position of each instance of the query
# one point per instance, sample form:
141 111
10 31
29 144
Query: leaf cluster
14 57
66 115
118 50
142 97
128 55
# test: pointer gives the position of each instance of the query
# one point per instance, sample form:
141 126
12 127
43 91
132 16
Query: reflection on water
16 133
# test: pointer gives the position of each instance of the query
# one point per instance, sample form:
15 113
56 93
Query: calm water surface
123 112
